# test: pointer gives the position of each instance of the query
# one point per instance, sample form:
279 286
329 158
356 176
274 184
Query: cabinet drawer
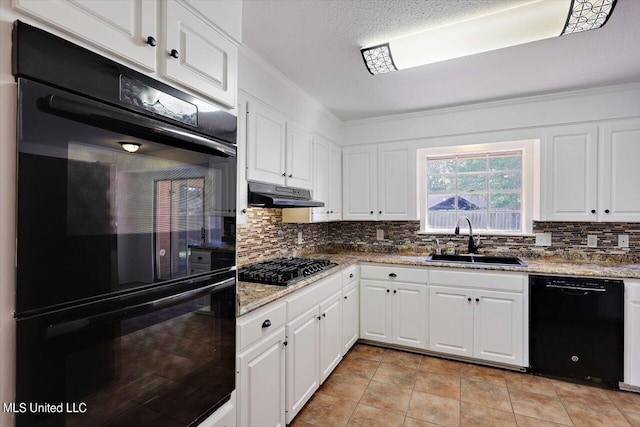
200 266
396 274
503 281
200 256
254 326
304 299
350 275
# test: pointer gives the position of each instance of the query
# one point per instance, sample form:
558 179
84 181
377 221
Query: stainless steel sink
477 259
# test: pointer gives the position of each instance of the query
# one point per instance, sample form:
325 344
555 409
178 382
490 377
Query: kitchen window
492 187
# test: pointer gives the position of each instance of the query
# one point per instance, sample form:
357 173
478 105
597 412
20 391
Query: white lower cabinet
350 316
260 366
314 337
261 385
314 350
632 333
391 311
330 335
498 319
450 321
474 322
303 354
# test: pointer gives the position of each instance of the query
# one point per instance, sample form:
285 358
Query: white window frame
530 180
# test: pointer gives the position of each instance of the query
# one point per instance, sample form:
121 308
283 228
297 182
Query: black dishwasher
576 328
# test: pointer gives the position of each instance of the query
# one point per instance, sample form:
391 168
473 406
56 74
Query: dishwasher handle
575 288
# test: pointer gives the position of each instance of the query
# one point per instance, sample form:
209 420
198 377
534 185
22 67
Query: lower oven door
167 360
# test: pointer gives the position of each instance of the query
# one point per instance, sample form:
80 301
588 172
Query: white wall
519 118
260 80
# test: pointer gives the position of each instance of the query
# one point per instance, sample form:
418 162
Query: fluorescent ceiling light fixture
536 20
130 147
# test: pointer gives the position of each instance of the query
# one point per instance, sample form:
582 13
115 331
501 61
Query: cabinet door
632 333
375 311
451 320
121 31
410 314
197 56
397 196
359 188
335 183
350 316
225 14
571 174
619 197
265 144
299 157
330 335
261 385
320 179
498 327
303 353
241 187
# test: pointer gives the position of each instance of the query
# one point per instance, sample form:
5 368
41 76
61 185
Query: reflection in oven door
156 367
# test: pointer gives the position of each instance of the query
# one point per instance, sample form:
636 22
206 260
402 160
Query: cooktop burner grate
283 271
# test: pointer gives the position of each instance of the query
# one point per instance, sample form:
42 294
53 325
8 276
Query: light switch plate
379 234
623 240
300 237
543 239
592 241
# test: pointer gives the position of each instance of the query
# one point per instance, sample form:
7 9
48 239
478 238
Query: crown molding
493 104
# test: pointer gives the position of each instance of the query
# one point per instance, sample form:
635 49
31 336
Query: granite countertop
254 295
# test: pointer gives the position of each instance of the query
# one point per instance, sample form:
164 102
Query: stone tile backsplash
265 236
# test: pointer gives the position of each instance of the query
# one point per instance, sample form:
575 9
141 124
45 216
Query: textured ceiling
316 44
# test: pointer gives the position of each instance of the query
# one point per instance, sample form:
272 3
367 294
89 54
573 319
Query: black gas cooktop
283 271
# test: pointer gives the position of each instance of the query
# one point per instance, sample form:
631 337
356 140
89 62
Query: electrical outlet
543 239
623 240
299 237
379 234
592 241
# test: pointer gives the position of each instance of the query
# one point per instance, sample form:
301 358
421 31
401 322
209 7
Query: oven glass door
94 219
165 362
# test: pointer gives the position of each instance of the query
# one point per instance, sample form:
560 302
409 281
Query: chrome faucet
473 245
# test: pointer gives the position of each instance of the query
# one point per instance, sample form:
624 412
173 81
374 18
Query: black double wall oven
114 326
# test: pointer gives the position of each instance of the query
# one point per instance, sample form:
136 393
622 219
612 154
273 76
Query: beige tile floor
380 387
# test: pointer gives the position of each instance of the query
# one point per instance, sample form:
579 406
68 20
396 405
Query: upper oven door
94 219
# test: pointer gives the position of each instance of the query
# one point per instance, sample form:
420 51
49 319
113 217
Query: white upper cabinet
327 181
278 151
127 30
194 47
591 173
335 183
359 185
320 179
197 55
620 165
397 195
266 141
379 183
571 175
327 185
299 157
224 14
